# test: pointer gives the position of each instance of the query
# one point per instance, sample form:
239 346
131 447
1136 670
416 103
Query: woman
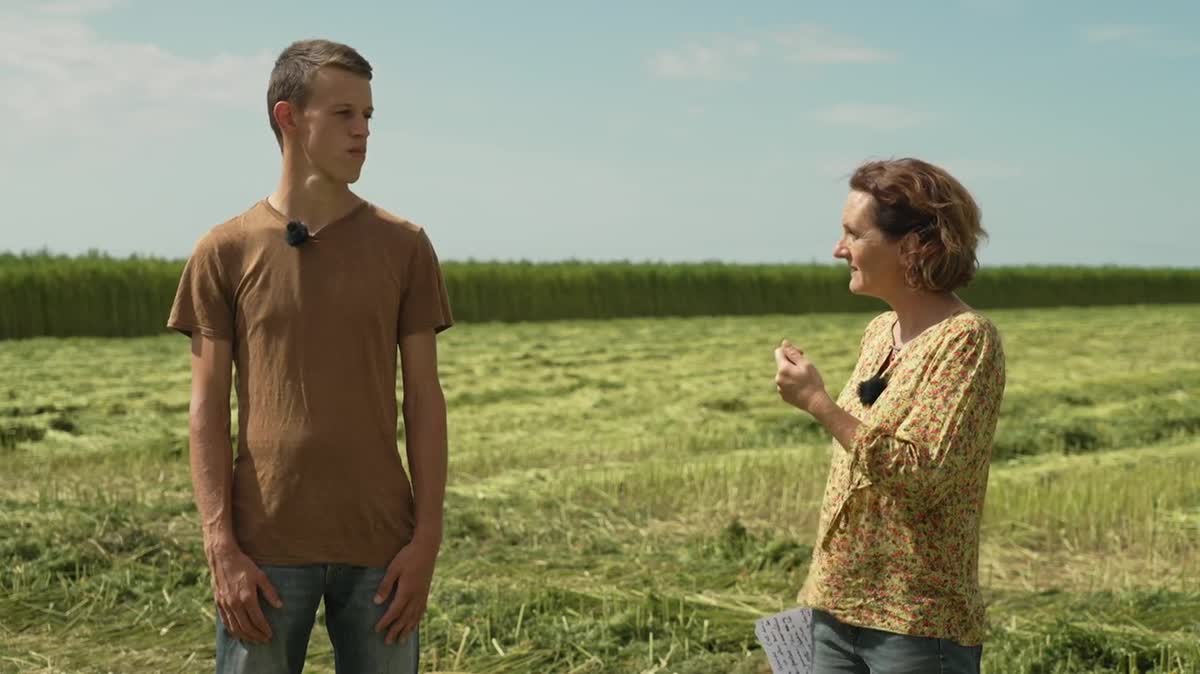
894 577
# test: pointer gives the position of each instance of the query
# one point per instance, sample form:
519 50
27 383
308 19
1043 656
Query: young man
309 292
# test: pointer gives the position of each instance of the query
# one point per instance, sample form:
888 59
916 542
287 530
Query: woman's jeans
838 647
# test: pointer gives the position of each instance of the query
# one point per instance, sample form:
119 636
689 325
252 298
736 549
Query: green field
100 296
627 496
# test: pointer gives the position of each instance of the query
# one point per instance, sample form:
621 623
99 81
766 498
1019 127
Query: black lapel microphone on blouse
869 390
297 233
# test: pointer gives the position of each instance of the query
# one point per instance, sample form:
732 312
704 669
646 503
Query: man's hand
236 584
409 575
797 379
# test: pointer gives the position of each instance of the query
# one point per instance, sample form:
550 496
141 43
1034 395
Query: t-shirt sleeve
425 304
204 299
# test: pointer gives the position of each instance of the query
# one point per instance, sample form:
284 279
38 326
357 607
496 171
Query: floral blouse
898 540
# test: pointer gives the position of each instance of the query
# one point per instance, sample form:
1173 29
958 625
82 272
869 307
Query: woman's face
875 266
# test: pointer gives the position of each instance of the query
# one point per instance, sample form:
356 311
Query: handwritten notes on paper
786 638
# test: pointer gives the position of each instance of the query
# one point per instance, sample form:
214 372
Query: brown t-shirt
317 477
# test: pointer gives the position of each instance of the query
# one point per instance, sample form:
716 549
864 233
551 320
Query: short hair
298 63
914 196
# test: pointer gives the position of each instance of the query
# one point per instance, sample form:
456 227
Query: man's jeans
350 617
839 648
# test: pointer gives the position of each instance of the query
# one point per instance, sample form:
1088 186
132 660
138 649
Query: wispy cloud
77 7
59 74
876 116
1115 32
731 56
817 45
1142 36
723 57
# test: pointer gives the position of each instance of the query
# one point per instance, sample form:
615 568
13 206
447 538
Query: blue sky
666 130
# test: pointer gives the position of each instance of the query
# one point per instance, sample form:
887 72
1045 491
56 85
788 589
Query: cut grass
626 496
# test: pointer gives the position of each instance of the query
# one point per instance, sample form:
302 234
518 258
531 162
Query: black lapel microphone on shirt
297 233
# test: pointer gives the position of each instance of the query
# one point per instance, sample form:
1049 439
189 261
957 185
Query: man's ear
285 116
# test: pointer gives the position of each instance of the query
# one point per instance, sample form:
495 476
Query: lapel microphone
297 233
869 390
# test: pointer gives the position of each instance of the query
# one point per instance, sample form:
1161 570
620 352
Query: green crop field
100 296
627 496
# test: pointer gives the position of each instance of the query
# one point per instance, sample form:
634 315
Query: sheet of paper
786 638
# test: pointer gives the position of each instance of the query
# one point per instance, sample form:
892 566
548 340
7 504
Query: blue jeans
350 617
838 648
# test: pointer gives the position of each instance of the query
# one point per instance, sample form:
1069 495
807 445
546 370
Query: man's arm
236 579
211 454
411 572
425 434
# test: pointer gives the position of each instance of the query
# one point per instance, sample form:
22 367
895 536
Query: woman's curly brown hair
916 197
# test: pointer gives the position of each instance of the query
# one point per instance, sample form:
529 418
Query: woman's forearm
843 425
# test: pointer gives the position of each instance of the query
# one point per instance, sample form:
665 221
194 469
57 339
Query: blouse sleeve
948 433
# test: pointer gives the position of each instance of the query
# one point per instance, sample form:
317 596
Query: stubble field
627 496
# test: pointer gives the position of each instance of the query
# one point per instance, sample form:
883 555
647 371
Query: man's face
332 128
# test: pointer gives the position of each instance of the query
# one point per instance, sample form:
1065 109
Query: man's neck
311 198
